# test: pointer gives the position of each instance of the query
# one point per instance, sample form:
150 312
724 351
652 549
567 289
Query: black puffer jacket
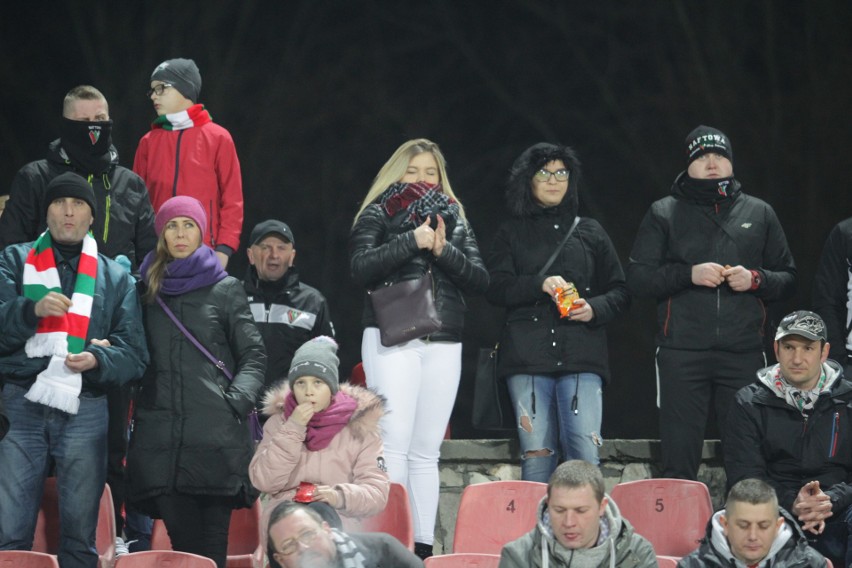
124 221
776 443
678 232
190 431
382 253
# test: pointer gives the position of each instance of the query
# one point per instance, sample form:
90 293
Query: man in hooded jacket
578 526
752 530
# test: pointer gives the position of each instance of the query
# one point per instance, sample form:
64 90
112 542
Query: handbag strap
219 364
559 248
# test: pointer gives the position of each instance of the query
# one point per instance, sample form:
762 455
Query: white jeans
419 379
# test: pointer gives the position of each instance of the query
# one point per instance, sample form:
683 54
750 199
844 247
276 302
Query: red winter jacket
200 162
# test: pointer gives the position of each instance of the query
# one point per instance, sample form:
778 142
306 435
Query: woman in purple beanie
191 446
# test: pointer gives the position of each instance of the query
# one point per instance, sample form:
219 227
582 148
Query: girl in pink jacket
322 434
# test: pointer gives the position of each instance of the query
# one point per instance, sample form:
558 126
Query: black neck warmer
87 144
709 190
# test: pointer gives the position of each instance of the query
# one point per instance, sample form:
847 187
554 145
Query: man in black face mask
712 257
124 224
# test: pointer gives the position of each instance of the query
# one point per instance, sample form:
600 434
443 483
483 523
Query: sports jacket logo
746 225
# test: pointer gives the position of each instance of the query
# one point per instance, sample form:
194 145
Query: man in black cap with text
287 312
793 429
713 258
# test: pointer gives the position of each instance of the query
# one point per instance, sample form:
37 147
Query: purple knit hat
181 206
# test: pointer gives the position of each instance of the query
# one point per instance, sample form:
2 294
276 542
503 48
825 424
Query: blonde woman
411 221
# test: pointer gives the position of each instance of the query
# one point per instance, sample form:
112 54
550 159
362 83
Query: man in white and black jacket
713 258
287 312
832 295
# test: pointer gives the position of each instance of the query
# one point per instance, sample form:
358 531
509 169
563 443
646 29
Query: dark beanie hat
316 358
70 184
182 74
706 139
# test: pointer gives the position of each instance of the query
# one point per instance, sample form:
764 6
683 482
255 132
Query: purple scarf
325 425
201 268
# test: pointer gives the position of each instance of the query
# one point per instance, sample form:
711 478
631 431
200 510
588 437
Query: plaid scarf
348 553
420 200
56 336
195 115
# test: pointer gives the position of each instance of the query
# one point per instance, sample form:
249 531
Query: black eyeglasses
159 89
305 539
543 175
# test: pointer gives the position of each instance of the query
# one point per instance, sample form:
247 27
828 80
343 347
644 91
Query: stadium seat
667 561
244 537
163 559
671 513
463 560
394 520
27 559
46 537
494 513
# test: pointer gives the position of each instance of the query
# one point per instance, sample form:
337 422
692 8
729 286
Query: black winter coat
382 253
190 433
833 290
772 441
679 232
124 220
535 339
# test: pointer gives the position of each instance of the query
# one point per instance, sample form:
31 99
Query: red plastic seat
27 559
463 560
394 520
163 559
46 537
494 513
667 561
671 513
244 537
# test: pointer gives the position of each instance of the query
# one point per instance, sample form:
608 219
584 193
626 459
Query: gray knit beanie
316 358
182 74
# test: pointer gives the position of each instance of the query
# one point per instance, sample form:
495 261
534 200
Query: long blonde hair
157 271
394 170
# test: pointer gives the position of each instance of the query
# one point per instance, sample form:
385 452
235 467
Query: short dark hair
752 491
282 511
81 93
575 474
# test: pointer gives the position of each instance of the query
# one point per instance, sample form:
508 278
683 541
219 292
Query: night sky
317 94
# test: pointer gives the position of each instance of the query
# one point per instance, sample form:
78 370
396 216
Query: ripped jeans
558 414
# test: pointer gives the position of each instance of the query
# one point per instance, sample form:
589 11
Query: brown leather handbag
405 310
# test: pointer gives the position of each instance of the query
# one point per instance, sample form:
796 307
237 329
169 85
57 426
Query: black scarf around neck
709 191
87 144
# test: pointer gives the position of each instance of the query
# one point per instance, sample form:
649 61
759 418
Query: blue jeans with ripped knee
561 414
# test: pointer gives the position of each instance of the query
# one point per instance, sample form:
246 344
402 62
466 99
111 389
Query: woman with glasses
411 222
553 348
186 153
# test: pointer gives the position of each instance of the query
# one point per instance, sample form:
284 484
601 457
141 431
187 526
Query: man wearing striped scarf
72 327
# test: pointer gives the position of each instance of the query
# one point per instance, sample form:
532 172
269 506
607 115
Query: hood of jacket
519 199
833 373
57 155
365 420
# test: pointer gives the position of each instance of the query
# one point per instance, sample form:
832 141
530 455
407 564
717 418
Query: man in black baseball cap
287 312
791 428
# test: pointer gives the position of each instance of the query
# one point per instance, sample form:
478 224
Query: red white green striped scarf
56 336
195 115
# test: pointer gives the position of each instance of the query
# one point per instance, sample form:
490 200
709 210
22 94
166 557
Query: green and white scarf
196 115
57 336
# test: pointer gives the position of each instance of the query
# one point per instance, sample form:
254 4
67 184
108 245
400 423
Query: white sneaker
120 547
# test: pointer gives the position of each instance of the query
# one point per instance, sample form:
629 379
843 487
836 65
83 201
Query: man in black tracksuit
833 292
793 429
712 257
287 312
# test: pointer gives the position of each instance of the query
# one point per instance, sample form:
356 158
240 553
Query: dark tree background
318 94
